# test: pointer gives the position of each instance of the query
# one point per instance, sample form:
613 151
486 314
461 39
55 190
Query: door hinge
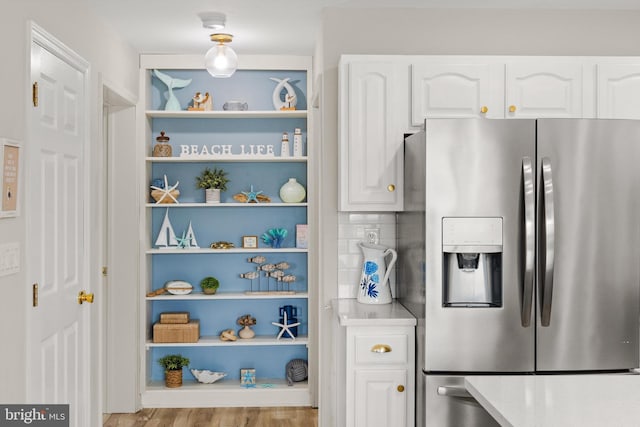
104 271
35 295
34 94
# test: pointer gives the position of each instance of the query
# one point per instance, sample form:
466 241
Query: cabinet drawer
391 349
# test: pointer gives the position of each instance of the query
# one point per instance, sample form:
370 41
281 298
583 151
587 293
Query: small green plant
216 178
173 362
210 284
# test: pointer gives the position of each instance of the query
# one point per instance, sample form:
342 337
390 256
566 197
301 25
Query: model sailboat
166 237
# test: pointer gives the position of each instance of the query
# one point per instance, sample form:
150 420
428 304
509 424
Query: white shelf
272 114
214 341
226 295
225 205
226 393
224 251
228 159
229 385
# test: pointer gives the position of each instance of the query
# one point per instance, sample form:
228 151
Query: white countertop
352 313
590 400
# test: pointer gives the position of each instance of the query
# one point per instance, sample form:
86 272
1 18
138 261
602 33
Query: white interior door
58 326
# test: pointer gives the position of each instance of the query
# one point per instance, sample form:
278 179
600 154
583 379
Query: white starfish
285 325
166 190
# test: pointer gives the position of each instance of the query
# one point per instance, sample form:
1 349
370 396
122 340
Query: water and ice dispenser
472 262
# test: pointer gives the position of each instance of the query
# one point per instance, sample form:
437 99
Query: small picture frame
249 242
248 377
9 178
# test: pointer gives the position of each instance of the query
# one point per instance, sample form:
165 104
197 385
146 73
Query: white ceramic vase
292 191
246 333
212 195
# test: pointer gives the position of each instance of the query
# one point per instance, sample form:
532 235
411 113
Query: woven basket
173 379
157 194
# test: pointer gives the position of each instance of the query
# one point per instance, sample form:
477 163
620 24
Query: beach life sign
258 150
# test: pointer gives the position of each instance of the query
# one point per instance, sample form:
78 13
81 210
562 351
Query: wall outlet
372 235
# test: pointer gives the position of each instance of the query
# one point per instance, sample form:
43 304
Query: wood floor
216 417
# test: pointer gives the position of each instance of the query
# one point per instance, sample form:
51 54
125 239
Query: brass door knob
512 108
84 297
391 188
484 109
400 388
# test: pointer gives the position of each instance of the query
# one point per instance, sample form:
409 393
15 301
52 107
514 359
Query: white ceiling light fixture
213 20
221 60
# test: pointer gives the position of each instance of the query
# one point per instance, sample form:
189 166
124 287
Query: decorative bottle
284 147
162 148
297 143
292 191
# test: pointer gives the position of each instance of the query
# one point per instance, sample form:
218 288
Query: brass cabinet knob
484 109
381 348
400 388
512 108
84 297
391 188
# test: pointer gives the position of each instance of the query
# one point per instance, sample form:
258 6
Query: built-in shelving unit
227 221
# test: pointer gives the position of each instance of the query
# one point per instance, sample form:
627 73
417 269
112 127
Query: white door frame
118 327
37 35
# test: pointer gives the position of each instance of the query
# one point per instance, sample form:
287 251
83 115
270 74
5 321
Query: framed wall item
9 177
249 242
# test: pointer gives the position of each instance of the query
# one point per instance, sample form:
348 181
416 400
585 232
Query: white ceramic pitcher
374 282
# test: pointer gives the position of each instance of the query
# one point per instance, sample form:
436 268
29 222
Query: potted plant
213 181
173 364
209 285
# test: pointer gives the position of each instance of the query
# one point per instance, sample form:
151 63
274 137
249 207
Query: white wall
442 32
71 22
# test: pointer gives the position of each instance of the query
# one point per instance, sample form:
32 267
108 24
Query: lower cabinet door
380 398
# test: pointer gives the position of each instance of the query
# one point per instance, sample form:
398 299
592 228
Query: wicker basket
157 195
173 378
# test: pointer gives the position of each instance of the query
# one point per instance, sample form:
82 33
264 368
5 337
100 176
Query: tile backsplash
351 230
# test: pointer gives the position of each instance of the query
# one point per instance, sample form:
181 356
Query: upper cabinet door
618 91
456 90
373 104
545 89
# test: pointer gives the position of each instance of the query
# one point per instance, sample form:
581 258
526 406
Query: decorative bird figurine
172 83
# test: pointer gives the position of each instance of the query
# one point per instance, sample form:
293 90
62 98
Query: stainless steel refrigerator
519 252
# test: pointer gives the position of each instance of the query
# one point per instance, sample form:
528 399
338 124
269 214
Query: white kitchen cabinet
456 88
375 364
618 90
378 399
373 115
546 88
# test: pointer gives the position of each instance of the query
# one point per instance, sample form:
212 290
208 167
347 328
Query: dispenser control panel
478 232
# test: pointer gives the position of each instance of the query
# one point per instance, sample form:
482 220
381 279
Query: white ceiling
273 26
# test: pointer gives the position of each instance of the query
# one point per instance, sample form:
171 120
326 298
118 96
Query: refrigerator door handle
547 233
529 239
453 391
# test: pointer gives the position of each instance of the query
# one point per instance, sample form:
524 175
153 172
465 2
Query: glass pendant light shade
221 60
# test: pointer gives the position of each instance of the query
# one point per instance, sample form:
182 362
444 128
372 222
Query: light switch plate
9 258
